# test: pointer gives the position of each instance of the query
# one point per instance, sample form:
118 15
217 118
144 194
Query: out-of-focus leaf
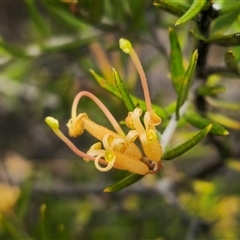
231 62
231 7
186 83
226 41
200 122
195 8
222 104
97 11
37 18
67 45
184 147
137 101
127 181
12 229
210 91
224 22
137 9
225 121
12 50
65 17
45 234
123 91
176 60
176 9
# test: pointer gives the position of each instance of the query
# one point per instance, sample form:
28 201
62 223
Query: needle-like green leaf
176 60
137 101
176 9
186 83
194 9
184 147
200 122
125 182
123 91
224 120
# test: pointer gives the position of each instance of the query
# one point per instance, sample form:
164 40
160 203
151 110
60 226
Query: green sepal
231 62
137 101
226 41
176 9
200 122
210 90
123 91
125 182
194 9
176 60
186 83
184 147
224 120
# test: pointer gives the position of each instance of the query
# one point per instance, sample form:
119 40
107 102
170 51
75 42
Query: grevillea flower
115 149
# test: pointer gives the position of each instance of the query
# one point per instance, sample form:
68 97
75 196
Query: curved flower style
115 149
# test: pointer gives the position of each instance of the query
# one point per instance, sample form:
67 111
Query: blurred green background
47 192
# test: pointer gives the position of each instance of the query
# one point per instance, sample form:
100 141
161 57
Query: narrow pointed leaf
176 60
137 101
225 121
199 122
186 83
232 63
176 9
226 41
179 150
127 181
123 91
210 91
194 9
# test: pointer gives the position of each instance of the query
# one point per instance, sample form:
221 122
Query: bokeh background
47 192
